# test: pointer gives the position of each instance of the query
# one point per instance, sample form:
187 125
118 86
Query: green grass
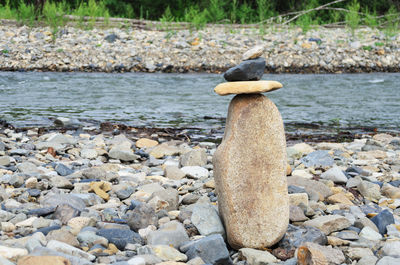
353 18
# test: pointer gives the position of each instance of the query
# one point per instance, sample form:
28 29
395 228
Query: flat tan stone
145 142
246 87
43 260
250 174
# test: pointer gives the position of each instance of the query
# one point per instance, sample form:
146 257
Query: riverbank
130 196
213 49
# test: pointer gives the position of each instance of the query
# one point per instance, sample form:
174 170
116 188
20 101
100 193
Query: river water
188 100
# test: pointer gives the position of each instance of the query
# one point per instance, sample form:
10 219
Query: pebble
206 219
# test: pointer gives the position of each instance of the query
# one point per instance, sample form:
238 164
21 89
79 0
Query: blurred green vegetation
304 14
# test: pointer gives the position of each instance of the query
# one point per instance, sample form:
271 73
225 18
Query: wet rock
120 237
382 220
253 217
250 70
206 219
210 249
172 233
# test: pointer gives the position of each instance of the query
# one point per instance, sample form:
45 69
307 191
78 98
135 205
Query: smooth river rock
246 87
249 70
249 171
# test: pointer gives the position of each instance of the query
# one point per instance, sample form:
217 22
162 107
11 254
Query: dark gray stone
120 237
296 189
33 192
211 249
320 158
296 236
382 220
111 38
20 152
46 230
142 216
63 170
41 211
250 70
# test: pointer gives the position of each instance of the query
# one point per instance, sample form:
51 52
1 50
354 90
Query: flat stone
319 158
12 253
335 174
58 199
249 70
145 143
206 219
69 250
311 253
195 172
253 53
211 249
256 257
358 253
252 194
329 223
311 186
122 153
74 259
63 170
246 87
43 260
120 237
339 198
168 253
172 234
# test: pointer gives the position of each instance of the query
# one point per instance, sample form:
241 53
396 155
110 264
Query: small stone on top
253 53
250 70
246 87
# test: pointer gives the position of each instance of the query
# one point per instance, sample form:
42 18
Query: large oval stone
249 171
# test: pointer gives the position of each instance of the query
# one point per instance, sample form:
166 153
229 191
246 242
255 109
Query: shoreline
211 50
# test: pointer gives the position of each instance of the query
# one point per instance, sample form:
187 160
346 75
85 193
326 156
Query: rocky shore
90 197
322 50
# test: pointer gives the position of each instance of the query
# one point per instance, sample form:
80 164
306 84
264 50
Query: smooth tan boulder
246 87
250 174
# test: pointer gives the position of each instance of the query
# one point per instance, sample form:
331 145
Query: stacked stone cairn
250 163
